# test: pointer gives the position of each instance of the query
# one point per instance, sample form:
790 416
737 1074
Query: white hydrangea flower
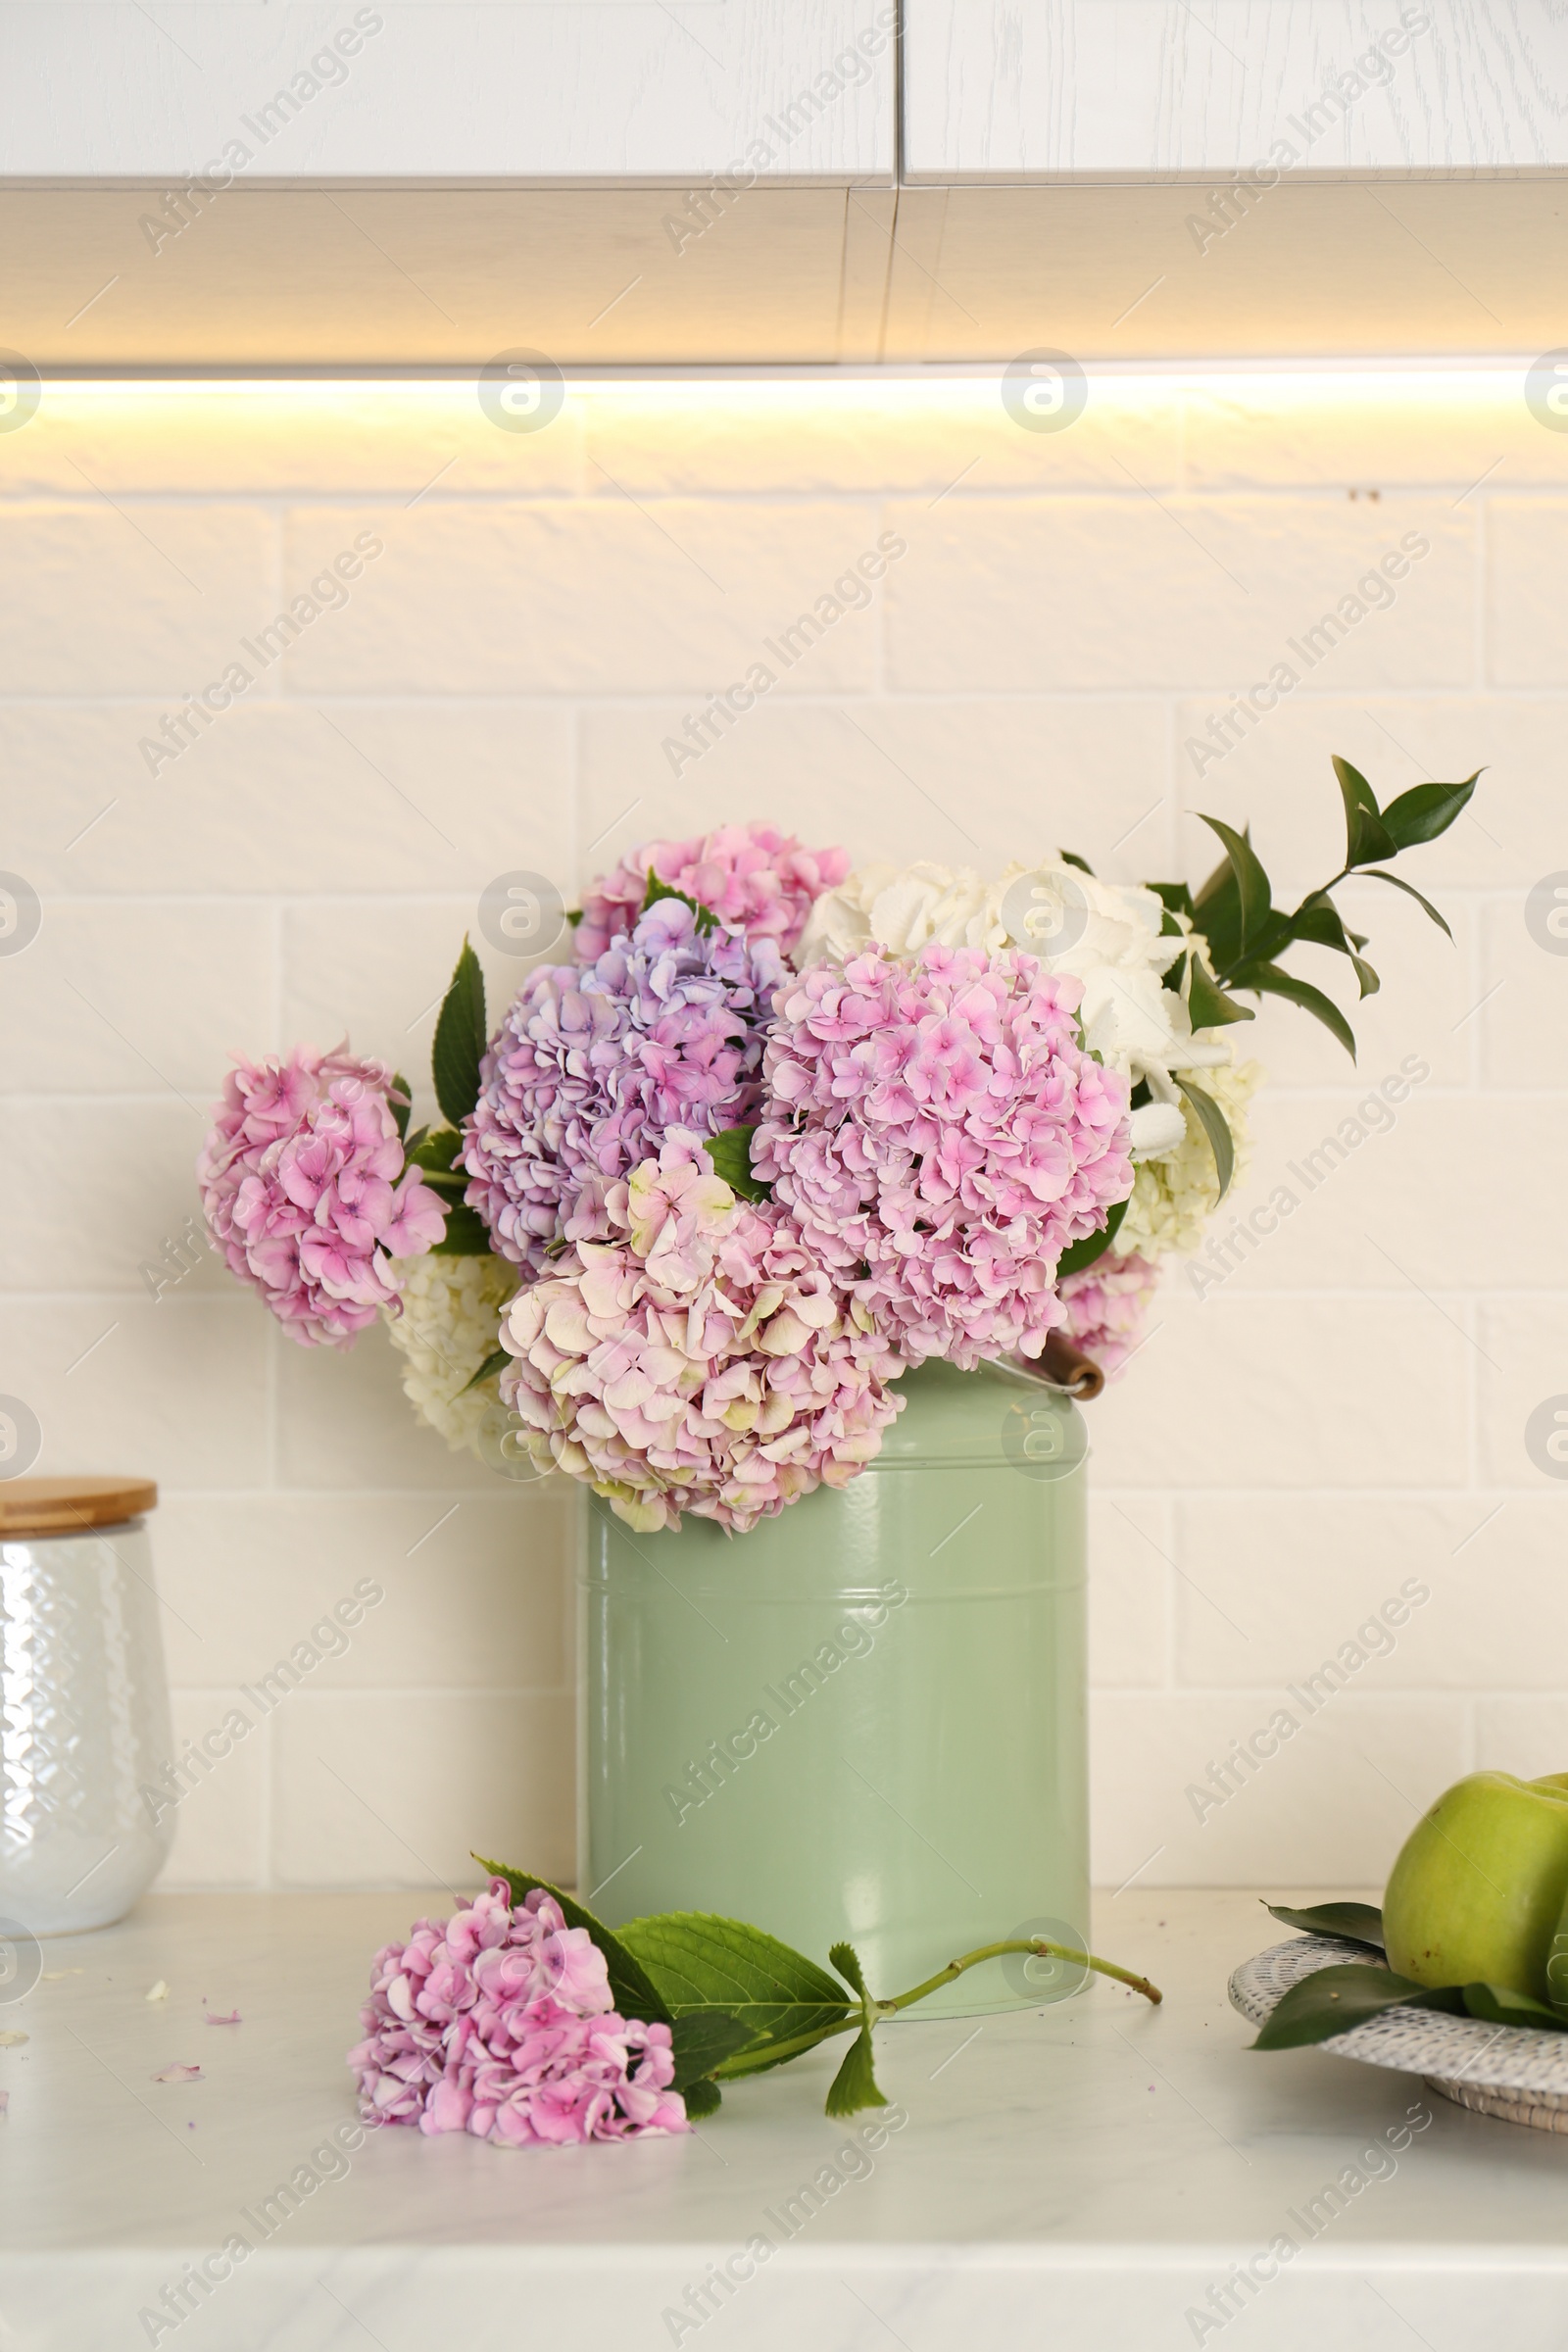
1173 1198
1109 937
451 1321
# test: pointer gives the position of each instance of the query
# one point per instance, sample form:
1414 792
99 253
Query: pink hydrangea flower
754 877
592 1066
306 1191
699 1359
1105 1307
499 2022
940 1138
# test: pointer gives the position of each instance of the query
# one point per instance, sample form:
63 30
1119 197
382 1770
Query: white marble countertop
1085 2175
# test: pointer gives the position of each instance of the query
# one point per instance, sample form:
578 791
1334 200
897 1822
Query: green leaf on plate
467 1234
1376 875
1425 812
400 1105
495 1361
1332 2000
460 1039
1267 980
701 1963
1212 1120
703 2099
633 1989
1499 2005
1084 1253
707 919
1352 1923
730 1151
1068 858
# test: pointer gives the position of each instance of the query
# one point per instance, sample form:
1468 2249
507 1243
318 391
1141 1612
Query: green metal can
864 1720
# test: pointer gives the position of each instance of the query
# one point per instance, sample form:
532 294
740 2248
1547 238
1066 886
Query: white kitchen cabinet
1128 89
519 91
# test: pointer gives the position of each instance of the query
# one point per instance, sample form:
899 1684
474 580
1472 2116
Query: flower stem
774 2054
1038 1944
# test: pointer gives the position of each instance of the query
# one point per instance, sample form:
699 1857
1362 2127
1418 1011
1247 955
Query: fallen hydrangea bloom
499 2022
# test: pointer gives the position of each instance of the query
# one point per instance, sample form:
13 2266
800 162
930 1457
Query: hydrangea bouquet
777 1133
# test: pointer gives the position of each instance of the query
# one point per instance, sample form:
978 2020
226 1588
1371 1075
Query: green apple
1480 1886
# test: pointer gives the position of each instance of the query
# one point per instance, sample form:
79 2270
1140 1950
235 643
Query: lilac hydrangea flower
941 1136
593 1064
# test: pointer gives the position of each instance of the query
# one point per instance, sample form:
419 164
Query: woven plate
1508 2071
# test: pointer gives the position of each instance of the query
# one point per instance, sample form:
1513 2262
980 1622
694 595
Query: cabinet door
530 91
1128 89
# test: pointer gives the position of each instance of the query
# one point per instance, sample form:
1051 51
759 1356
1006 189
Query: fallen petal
176 2074
232 2019
158 1993
8 2041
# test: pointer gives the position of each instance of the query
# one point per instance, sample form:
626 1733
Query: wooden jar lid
59 1507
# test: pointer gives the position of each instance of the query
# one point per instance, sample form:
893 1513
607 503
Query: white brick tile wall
1344 1411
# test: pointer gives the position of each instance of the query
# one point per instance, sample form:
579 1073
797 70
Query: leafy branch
1246 933
740 2002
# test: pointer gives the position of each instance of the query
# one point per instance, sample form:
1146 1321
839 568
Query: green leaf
1212 1121
1365 834
702 2042
633 1989
1209 1007
1499 2005
1425 812
1332 2000
703 2099
1084 1253
1253 895
400 1108
433 1151
730 1151
1267 980
707 919
847 1960
701 1963
460 1039
1318 922
855 2085
1352 1923
1375 874
1217 913
467 1234
495 1361
1175 897
1082 864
